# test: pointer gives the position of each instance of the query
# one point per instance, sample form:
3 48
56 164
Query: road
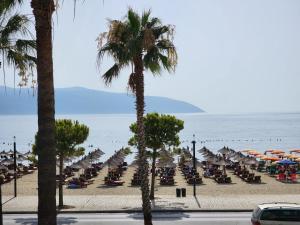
216 218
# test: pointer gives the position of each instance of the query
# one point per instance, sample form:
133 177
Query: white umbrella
2 167
203 150
7 162
224 151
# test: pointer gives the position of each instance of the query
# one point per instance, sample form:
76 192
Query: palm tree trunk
153 174
61 179
43 10
143 163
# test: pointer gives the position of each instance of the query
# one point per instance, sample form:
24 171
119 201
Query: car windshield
281 215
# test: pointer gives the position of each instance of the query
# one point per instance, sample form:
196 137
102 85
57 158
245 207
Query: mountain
77 100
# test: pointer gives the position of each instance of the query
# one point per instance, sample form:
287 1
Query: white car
277 213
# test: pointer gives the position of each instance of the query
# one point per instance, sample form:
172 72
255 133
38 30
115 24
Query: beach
27 186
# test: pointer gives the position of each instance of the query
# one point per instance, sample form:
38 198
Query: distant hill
79 100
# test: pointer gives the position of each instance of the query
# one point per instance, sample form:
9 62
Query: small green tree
160 131
68 135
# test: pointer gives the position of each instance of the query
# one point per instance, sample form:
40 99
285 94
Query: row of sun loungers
218 175
166 176
114 175
84 179
190 176
247 176
7 175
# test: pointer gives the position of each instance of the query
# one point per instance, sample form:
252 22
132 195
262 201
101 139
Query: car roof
276 205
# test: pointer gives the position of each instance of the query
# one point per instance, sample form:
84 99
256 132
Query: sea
110 132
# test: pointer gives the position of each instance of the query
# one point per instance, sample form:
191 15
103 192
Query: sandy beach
27 186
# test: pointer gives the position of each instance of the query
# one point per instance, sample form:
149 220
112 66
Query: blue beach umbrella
286 162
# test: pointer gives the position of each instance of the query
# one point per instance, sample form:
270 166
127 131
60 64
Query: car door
281 216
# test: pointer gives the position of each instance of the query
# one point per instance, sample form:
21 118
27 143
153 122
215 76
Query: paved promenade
162 202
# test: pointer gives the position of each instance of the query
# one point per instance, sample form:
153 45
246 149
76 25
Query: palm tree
141 42
43 10
15 51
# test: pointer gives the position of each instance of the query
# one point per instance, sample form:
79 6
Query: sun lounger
280 177
293 178
257 179
136 182
114 182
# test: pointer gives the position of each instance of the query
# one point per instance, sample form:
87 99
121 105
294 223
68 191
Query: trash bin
183 192
178 192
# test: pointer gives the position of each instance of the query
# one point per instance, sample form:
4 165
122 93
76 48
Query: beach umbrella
238 156
84 164
231 152
293 156
251 161
286 162
3 153
295 150
259 156
221 162
254 152
188 163
247 150
28 154
224 151
277 152
204 149
297 160
170 165
2 167
7 162
166 164
270 158
75 166
10 152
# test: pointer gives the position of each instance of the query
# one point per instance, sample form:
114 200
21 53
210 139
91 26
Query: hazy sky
234 55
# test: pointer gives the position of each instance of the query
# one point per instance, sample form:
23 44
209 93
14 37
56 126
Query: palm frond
7 5
145 17
23 45
116 50
134 21
154 22
112 73
151 61
15 24
116 30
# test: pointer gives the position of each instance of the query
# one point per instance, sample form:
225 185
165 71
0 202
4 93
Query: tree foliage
14 49
137 36
160 131
68 135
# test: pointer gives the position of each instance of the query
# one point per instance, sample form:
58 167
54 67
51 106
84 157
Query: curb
135 211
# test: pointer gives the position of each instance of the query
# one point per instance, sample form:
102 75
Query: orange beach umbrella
296 151
277 151
293 156
270 158
247 150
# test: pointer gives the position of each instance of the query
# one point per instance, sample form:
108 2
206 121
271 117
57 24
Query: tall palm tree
43 10
141 42
14 50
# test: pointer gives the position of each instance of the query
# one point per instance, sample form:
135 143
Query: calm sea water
111 132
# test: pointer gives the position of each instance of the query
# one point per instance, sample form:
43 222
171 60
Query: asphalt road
216 218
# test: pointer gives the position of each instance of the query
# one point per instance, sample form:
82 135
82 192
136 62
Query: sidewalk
162 202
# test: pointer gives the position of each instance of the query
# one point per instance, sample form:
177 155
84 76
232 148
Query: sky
234 56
